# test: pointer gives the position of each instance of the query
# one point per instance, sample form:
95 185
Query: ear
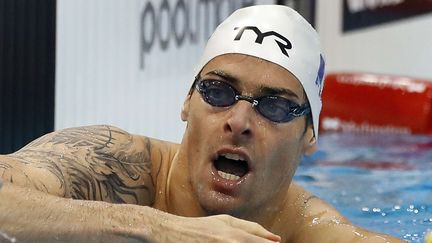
309 142
185 107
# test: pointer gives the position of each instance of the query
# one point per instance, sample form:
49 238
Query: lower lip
226 186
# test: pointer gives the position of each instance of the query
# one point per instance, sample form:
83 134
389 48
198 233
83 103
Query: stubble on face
275 149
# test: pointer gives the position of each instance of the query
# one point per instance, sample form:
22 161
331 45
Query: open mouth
231 166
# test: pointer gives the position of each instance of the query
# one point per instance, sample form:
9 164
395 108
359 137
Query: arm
47 218
47 186
33 216
100 163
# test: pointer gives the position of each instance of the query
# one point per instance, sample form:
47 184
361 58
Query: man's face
260 155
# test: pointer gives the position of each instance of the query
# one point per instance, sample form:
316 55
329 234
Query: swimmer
252 112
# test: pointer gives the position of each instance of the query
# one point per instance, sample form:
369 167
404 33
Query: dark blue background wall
27 71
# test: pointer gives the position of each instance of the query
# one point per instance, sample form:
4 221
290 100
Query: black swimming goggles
274 108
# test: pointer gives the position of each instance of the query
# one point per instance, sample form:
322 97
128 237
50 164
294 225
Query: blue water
380 182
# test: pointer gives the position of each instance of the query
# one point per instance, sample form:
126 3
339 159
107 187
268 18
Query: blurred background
69 63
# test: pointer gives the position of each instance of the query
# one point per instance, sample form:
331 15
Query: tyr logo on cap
284 46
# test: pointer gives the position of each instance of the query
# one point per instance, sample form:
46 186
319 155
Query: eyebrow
278 92
264 90
224 75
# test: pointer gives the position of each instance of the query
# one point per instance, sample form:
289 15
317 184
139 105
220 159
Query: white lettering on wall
356 6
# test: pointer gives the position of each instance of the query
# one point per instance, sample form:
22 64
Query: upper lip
238 151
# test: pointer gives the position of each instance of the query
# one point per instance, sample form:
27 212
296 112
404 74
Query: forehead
253 72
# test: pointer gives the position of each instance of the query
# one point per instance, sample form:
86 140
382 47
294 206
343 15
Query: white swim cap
277 34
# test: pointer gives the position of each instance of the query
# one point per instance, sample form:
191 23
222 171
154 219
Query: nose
239 122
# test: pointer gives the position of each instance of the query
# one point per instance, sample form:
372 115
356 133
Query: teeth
228 176
233 156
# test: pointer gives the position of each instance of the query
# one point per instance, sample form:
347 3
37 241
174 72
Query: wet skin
127 172
273 150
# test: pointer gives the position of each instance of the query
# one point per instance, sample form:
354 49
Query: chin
214 203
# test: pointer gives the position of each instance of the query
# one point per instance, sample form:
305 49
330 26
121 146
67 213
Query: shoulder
313 208
99 162
89 145
103 140
96 136
321 222
316 216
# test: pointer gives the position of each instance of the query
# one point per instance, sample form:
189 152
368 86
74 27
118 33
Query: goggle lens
274 108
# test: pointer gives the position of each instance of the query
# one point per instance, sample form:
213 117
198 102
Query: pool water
381 182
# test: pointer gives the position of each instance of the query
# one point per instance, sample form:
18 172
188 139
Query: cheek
286 162
203 121
194 123
284 155
201 125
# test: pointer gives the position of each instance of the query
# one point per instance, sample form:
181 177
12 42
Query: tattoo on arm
94 163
